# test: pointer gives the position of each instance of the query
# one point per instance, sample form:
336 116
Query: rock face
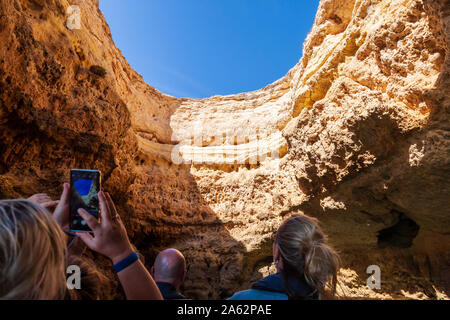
356 134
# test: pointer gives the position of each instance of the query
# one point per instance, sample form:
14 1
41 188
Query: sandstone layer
356 134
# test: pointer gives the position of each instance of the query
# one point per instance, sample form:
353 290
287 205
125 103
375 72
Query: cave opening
400 235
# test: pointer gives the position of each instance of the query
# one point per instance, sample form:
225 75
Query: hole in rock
204 48
400 235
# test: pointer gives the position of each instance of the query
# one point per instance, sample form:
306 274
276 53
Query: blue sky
201 48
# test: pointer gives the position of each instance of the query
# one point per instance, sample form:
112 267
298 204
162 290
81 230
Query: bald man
169 272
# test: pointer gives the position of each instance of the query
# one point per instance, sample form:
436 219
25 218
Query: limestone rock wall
356 134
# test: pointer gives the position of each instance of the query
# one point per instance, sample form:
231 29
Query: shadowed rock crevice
400 235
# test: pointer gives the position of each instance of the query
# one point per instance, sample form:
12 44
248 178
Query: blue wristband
125 263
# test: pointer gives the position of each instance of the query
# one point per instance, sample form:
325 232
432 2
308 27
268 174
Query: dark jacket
272 288
169 292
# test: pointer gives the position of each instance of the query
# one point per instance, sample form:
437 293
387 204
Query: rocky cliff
356 134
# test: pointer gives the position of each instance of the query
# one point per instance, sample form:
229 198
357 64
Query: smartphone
84 189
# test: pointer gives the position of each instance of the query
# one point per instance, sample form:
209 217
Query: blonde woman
32 252
33 249
306 265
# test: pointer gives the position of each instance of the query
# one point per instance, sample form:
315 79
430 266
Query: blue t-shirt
255 294
272 288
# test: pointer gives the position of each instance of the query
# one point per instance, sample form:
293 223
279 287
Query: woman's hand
61 213
111 239
110 236
44 200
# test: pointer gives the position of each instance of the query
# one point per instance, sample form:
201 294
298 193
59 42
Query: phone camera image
84 188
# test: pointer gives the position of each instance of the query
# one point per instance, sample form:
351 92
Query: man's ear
152 272
183 277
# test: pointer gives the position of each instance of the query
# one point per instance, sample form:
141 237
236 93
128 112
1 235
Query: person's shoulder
255 294
178 296
169 292
241 295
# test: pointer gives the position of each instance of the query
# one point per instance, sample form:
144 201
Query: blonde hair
32 252
305 252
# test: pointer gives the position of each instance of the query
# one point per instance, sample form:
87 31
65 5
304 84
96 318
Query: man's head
170 267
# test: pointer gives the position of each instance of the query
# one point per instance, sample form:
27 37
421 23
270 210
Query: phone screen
84 188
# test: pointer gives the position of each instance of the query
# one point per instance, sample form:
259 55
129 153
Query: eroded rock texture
356 134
